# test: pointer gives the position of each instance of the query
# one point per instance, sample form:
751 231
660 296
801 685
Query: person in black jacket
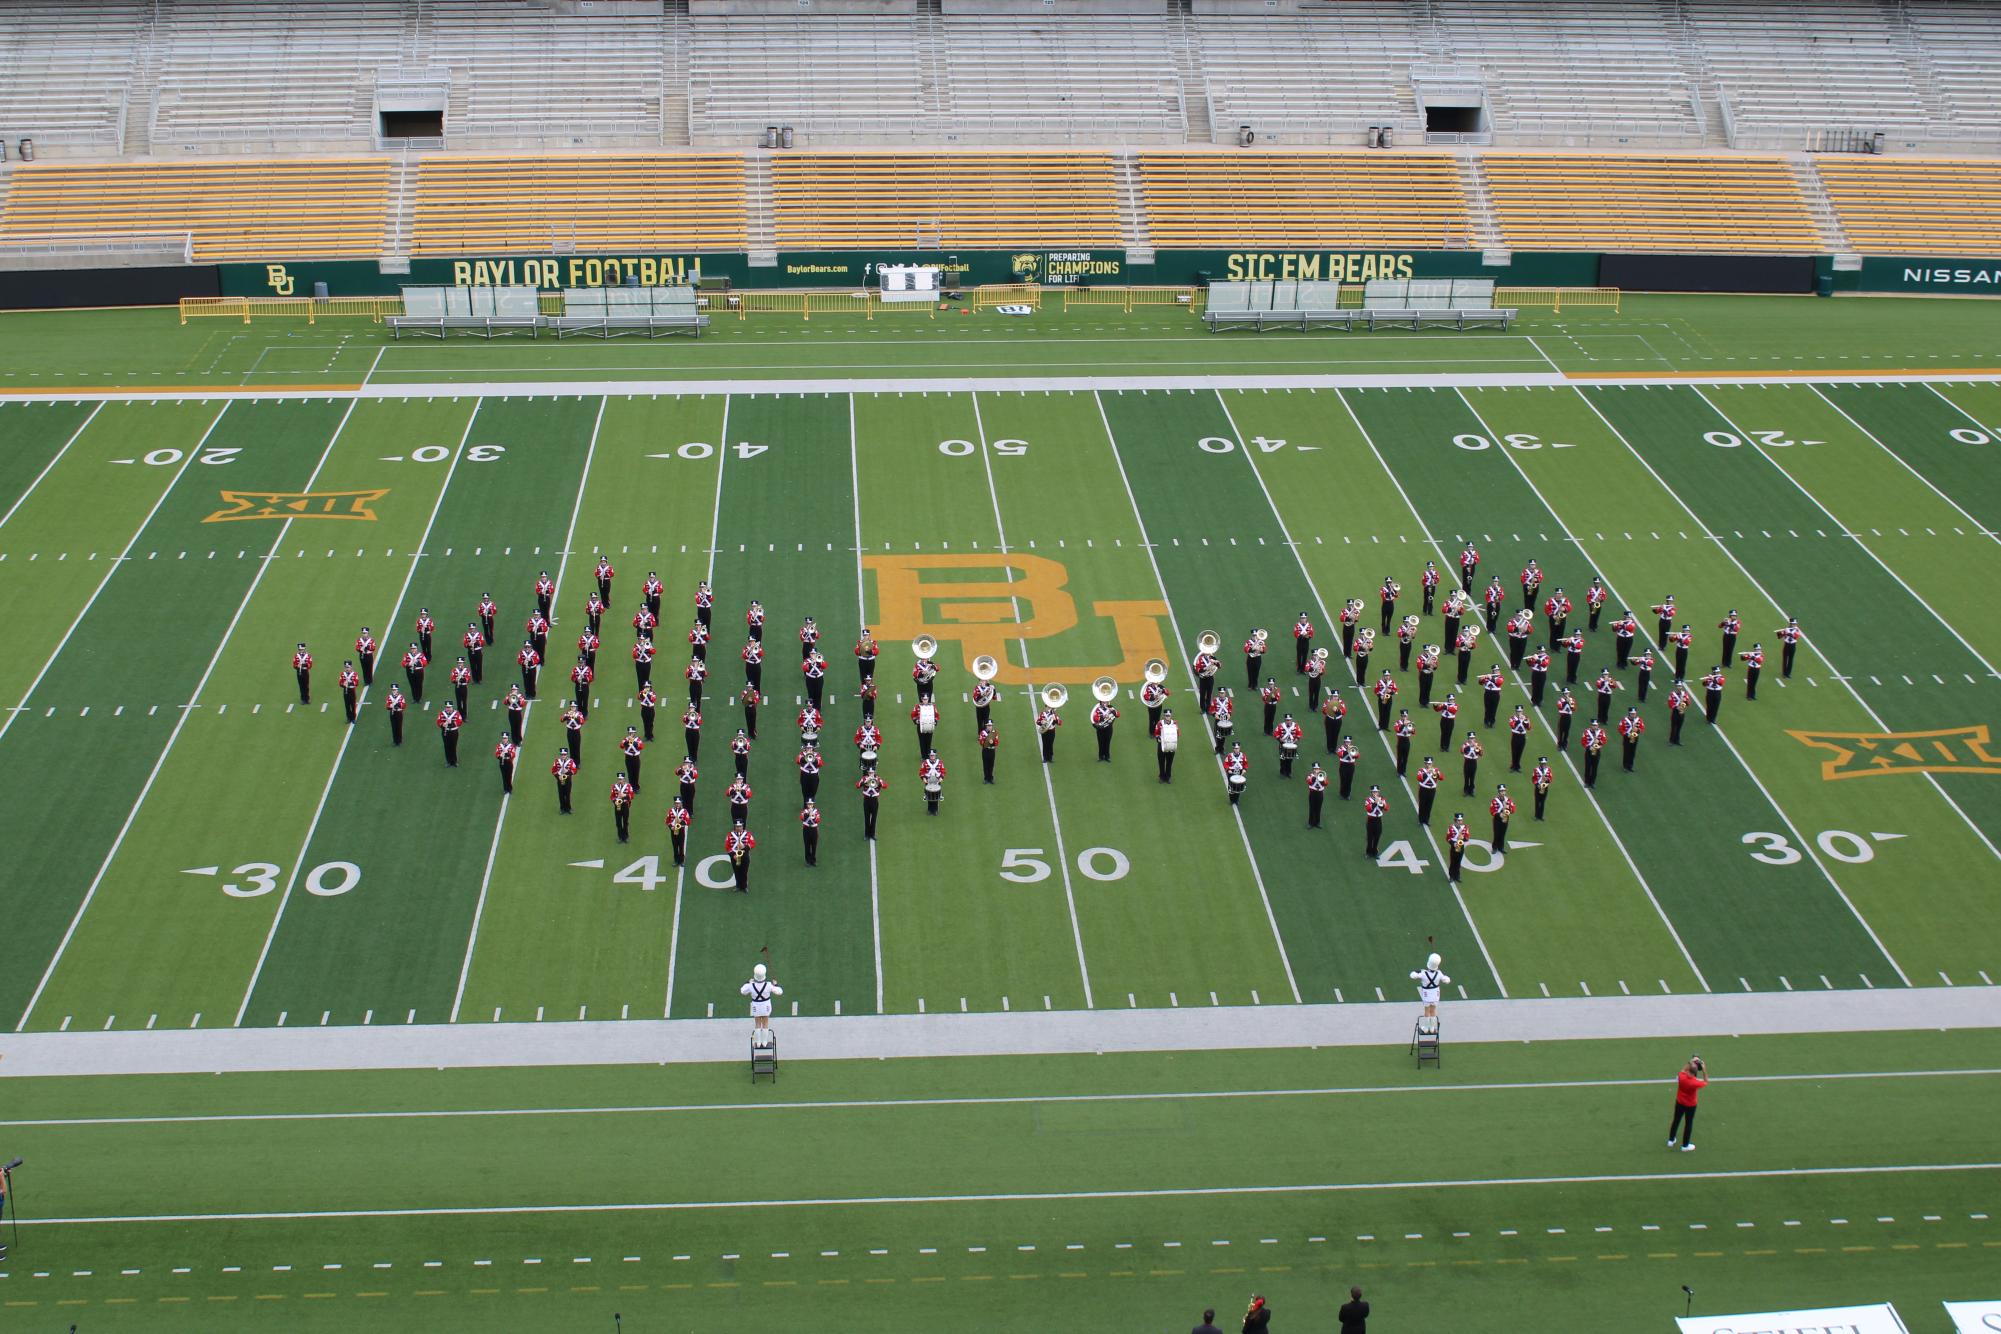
1208 1325
1258 1319
1354 1316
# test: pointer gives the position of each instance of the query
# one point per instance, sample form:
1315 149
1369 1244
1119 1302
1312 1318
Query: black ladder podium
763 1055
1424 1041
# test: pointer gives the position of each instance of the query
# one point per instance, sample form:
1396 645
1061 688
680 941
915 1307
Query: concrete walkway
862 1037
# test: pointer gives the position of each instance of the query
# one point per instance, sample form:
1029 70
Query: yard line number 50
1025 866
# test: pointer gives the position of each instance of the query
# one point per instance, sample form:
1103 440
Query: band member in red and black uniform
426 627
931 777
488 611
1541 779
1333 710
1254 657
1271 695
1374 807
809 761
1103 718
350 688
1664 613
630 745
868 743
474 641
740 752
738 795
604 575
753 663
1316 794
1470 751
1566 709
1302 644
642 661
989 739
1457 835
814 668
686 774
651 592
516 705
1502 809
810 723
1152 695
1643 674
1427 672
750 699
644 622
1407 632
1346 756
1223 717
1519 727
565 772
1680 700
1491 685
1679 641
461 676
1520 626
1236 772
1047 720
753 621
1205 668
365 649
594 610
1603 688
302 668
1350 616
1429 776
414 663
1625 631
1496 601
1630 728
1365 644
691 730
1429 581
621 807
1573 655
1531 585
1385 691
1712 692
1288 735
395 704
1556 609
1469 564
1593 742
679 820
450 720
581 677
1753 659
1403 729
698 641
871 785
867 650
1316 672
506 752
697 674
1447 710
1594 601
1790 635
530 662
545 593
1388 595
573 720
1538 664
1456 604
924 675
1469 639
538 627
1731 626
705 604
809 638
809 831
867 695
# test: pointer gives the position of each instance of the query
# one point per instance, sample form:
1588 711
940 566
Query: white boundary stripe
1031 1197
861 613
1569 762
160 762
709 575
1723 736
347 734
49 467
1048 780
1327 619
555 605
116 563
1174 624
1007 1100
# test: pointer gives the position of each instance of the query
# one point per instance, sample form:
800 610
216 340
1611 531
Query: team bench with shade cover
1460 303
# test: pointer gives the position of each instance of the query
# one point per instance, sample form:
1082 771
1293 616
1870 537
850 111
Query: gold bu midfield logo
298 505
1951 750
934 595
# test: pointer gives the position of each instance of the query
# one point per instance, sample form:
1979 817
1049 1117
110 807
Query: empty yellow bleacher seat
235 209
1916 206
1590 201
1318 199
623 201
957 199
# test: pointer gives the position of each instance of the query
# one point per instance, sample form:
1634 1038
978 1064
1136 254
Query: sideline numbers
1841 844
1025 866
1770 439
1966 435
1265 444
1518 440
1402 856
959 449
702 449
163 458
253 880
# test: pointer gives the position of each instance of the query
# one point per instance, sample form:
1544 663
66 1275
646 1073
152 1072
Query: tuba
1104 690
984 667
1155 671
924 646
1208 642
1055 696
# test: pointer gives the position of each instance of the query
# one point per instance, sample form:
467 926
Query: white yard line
347 733
370 374
709 575
1028 1197
186 712
1021 644
861 612
506 798
1871 436
1174 624
1327 619
49 467
116 562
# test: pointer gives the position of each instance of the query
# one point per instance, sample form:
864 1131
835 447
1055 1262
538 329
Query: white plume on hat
1432 962
757 973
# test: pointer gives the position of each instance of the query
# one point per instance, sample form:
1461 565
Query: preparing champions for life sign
1975 1317
1878 1319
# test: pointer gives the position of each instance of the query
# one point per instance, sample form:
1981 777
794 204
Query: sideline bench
1459 303
605 311
480 310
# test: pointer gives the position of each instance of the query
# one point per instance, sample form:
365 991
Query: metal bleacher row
258 208
600 311
1412 303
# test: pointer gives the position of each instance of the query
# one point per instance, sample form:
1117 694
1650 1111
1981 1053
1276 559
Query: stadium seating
525 75
627 201
836 79
65 71
1788 70
1916 206
1312 80
1090 80
1557 201
1960 43
1335 200
242 75
235 208
971 199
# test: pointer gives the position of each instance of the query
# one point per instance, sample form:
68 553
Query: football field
188 846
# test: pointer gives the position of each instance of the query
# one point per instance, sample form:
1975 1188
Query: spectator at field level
1208 1325
1355 1315
1694 1077
1258 1319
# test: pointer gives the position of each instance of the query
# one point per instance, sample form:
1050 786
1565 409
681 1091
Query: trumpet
1055 696
1208 642
924 646
986 668
1155 671
1104 690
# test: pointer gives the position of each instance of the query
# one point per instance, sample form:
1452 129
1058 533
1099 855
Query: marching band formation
1460 632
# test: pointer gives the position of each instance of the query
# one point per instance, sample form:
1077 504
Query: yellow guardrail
1556 298
310 309
1126 298
804 303
1008 294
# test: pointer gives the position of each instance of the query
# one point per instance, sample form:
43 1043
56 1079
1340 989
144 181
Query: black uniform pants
1315 799
809 785
1455 857
688 796
693 737
1389 614
1374 825
1675 717
1557 625
1516 648
1425 796
1632 752
1048 745
1492 700
1300 648
1683 1124
632 771
506 775
1313 693
1403 655
1104 744
1444 733
1383 712
816 689
1465 664
1786 660
1205 690
1751 682
1285 758
349 698
983 714
305 686
1595 613
740 864
1516 742
528 677
451 738
1562 730
1538 681
1430 597
865 669
1541 800
621 818
1729 647
1642 683
1500 833
1347 773
679 839
1712 700
1571 662
1253 663
753 676
695 695
1471 769
811 835
459 694
1604 707
517 725
750 721
1451 627
1680 663
1591 768
396 729
1332 726
1166 763
987 763
870 805
563 786
1403 755
1347 639
646 713
1424 680
415 675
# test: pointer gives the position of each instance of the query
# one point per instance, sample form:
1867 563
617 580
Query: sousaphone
1155 671
1104 690
985 667
924 646
1208 642
1055 696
